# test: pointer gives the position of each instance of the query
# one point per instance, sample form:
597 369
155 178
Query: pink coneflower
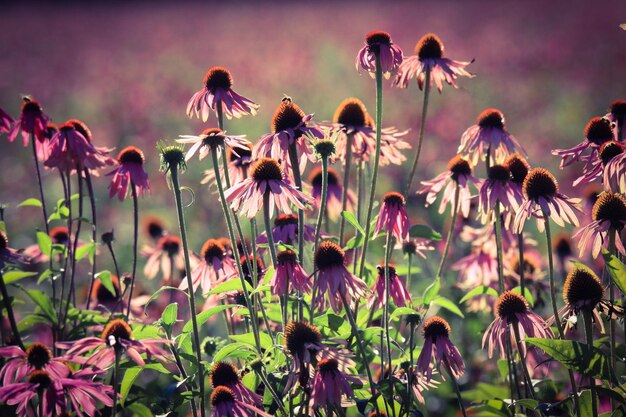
116 336
267 177
519 168
71 148
488 138
6 121
160 256
512 309
331 386
478 268
288 270
334 192
334 279
218 90
429 57
59 236
597 131
613 160
533 267
9 256
82 391
416 247
32 121
351 118
543 198
101 296
609 213
498 190
439 349
285 231
617 116
226 404
459 174
379 43
153 227
223 374
211 137
418 382
397 292
19 363
392 217
239 161
129 172
584 293
214 267
289 124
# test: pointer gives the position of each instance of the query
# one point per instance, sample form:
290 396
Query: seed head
329 255
117 328
436 327
131 155
539 183
351 112
598 130
509 303
266 169
518 166
224 374
499 173
459 166
288 115
172 156
211 249
378 37
610 150
610 207
218 77
429 47
38 355
582 286
221 395
491 118
299 334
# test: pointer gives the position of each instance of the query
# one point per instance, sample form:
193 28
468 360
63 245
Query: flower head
392 217
225 403
218 95
213 268
330 385
223 374
20 363
289 271
397 291
597 131
171 156
378 46
9 256
429 59
608 216
129 172
168 249
6 121
212 138
239 161
32 121
498 190
285 231
439 349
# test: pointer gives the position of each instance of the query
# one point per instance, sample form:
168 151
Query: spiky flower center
329 255
518 167
499 173
299 334
81 128
31 107
218 77
40 377
409 247
459 166
491 118
325 148
238 155
260 266
436 327
328 366
539 183
351 112
221 395
582 286
287 257
610 207
392 270
315 177
117 328
618 108
224 374
267 169
211 249
285 220
598 130
172 156
509 304
130 155
213 136
59 234
4 240
378 37
562 245
103 295
429 47
38 355
170 244
154 227
530 266
610 150
288 115
394 198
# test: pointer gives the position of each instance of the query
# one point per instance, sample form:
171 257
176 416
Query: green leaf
616 269
331 321
45 243
424 231
14 276
248 338
230 285
588 360
234 350
431 291
206 315
403 311
448 305
44 303
350 218
158 292
139 410
30 202
105 279
527 294
130 376
169 315
480 290
84 250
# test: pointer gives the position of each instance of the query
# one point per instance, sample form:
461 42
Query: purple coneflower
101 296
59 235
519 168
379 43
32 121
153 227
478 268
289 271
218 91
334 279
160 256
289 125
334 190
609 216
597 131
214 267
239 161
512 309
439 349
392 217
226 404
116 336
223 374
543 198
9 256
331 385
397 290
498 189
129 172
617 116
428 56
613 160
266 177
6 121
416 247
489 139
285 231
459 174
209 137
37 357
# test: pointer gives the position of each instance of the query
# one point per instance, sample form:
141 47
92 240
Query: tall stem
94 232
71 295
587 317
421 136
522 358
498 226
133 191
446 249
322 207
272 248
191 295
346 184
456 387
297 178
386 313
379 121
612 362
116 376
522 263
9 308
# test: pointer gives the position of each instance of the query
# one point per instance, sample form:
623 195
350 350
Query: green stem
116 372
455 385
295 167
94 234
135 242
408 276
379 121
587 317
272 248
191 295
322 207
522 263
255 277
498 226
446 249
183 374
273 393
386 315
421 136
612 361
9 308
518 342
346 184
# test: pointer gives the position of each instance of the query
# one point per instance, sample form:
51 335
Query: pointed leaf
424 231
30 202
616 269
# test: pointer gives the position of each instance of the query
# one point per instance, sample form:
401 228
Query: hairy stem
421 135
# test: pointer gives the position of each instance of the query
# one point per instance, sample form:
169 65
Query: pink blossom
439 349
392 217
289 271
397 291
378 43
130 172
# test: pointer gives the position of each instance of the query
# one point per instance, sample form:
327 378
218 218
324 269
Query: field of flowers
313 209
